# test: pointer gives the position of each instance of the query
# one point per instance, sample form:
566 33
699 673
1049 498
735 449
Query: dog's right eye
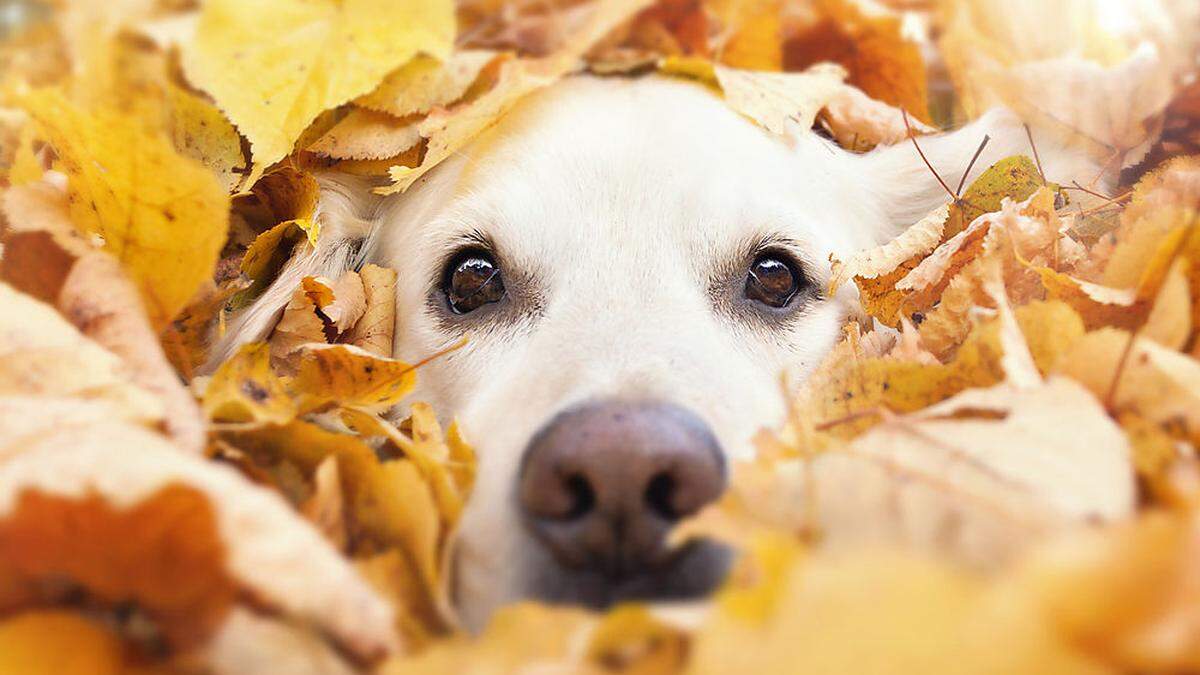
472 280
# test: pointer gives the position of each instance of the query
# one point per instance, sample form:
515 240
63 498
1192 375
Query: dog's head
639 269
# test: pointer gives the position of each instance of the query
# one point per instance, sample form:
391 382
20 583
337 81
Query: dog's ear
347 209
908 190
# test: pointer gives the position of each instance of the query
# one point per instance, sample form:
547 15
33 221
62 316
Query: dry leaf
859 122
352 377
273 66
58 643
448 131
245 390
366 134
425 84
325 508
375 329
205 534
877 56
43 357
775 101
161 215
101 301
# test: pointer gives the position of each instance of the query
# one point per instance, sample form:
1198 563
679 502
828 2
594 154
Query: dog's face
639 270
612 255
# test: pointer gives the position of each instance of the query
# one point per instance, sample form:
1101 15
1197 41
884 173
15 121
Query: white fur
619 198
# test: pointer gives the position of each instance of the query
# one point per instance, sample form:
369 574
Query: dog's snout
602 484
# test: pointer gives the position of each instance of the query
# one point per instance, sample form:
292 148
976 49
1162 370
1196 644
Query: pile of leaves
951 492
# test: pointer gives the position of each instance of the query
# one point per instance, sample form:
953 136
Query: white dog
636 265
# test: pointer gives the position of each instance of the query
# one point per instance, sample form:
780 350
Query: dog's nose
602 484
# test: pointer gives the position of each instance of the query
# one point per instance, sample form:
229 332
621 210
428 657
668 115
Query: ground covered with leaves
951 493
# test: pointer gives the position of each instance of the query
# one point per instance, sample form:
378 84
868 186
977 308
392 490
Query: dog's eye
472 280
772 280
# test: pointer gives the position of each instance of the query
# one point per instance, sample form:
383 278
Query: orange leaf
879 59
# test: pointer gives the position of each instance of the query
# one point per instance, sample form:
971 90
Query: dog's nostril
603 484
583 498
660 494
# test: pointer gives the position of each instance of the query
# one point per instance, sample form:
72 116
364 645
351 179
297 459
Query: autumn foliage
951 492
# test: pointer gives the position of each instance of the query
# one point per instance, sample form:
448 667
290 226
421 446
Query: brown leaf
101 301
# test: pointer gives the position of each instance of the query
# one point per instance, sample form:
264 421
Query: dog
637 267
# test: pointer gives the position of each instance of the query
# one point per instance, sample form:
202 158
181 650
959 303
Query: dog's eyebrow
473 237
764 242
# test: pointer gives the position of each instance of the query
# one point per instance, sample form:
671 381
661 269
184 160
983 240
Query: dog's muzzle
601 486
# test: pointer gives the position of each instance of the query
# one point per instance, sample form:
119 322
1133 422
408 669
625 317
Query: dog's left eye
772 280
472 280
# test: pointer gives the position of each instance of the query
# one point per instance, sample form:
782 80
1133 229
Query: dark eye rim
801 283
452 264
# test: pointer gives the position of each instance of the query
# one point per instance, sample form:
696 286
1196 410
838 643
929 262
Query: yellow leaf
274 65
516 636
773 100
425 83
245 390
448 131
1016 178
162 215
375 329
58 643
756 31
917 241
269 251
859 122
367 134
875 612
446 461
873 48
200 131
352 377
26 167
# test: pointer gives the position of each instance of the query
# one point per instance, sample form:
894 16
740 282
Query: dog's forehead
651 156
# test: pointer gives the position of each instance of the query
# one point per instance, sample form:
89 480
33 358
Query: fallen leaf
425 83
366 134
245 390
352 377
273 66
878 58
58 643
375 329
42 356
859 122
161 215
200 131
325 509
448 131
207 536
754 30
775 101
40 242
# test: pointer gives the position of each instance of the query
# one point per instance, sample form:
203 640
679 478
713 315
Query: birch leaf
274 65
